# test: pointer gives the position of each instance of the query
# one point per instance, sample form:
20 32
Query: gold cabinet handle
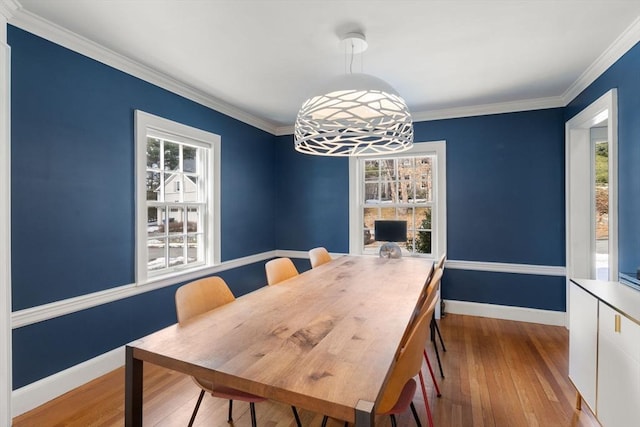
618 323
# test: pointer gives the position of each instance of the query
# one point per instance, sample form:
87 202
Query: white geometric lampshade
359 115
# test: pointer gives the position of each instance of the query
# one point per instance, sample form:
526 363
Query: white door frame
5 226
580 251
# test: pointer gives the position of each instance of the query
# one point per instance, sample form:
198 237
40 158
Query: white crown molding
494 311
470 111
8 8
28 21
41 27
621 45
55 309
488 109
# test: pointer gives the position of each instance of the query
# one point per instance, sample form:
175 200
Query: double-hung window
408 186
177 186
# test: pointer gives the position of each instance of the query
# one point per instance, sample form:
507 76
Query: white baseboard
521 314
35 394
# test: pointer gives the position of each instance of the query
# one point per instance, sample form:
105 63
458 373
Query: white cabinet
583 343
604 349
618 369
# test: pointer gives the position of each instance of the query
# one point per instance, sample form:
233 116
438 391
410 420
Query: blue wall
505 203
73 200
625 76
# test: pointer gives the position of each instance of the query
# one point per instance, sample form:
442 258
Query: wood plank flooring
498 374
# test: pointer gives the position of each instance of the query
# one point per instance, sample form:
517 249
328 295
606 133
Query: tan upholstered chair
319 256
280 269
196 298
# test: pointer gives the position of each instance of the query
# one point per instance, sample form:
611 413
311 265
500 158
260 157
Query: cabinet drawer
620 331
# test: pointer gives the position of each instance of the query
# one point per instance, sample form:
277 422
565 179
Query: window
407 186
177 202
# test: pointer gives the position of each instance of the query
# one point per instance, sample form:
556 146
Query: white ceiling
264 57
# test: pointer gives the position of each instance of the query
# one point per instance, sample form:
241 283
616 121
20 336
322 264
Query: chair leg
195 410
435 323
295 415
393 421
435 346
230 418
424 391
324 421
252 407
433 377
415 414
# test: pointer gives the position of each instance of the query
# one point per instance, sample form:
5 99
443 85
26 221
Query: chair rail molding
29 316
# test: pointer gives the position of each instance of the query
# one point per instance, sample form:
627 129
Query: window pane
171 156
424 182
387 213
405 190
370 215
423 218
189 163
155 222
371 194
423 242
387 193
193 219
387 169
371 170
405 214
176 251
153 186
172 188
153 153
176 220
190 192
193 254
156 251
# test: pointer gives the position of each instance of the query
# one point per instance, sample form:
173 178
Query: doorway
592 192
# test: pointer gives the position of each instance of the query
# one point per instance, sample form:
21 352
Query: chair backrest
426 299
409 361
200 296
280 269
440 263
319 256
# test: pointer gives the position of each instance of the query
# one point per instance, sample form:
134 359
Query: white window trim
438 148
145 123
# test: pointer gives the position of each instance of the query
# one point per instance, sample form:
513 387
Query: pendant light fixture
357 115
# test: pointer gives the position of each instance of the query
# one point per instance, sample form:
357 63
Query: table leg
132 390
578 401
365 414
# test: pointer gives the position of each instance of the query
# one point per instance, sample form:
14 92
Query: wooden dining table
325 340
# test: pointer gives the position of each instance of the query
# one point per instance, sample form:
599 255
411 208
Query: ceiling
263 58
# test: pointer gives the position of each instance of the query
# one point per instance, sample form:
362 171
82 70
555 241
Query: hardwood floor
498 373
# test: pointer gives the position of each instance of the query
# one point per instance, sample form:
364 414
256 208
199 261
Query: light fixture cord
351 64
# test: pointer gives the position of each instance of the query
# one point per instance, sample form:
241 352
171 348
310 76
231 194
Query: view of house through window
400 188
175 204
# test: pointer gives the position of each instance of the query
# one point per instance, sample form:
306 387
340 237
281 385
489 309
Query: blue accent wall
313 200
625 76
73 198
505 202
73 207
